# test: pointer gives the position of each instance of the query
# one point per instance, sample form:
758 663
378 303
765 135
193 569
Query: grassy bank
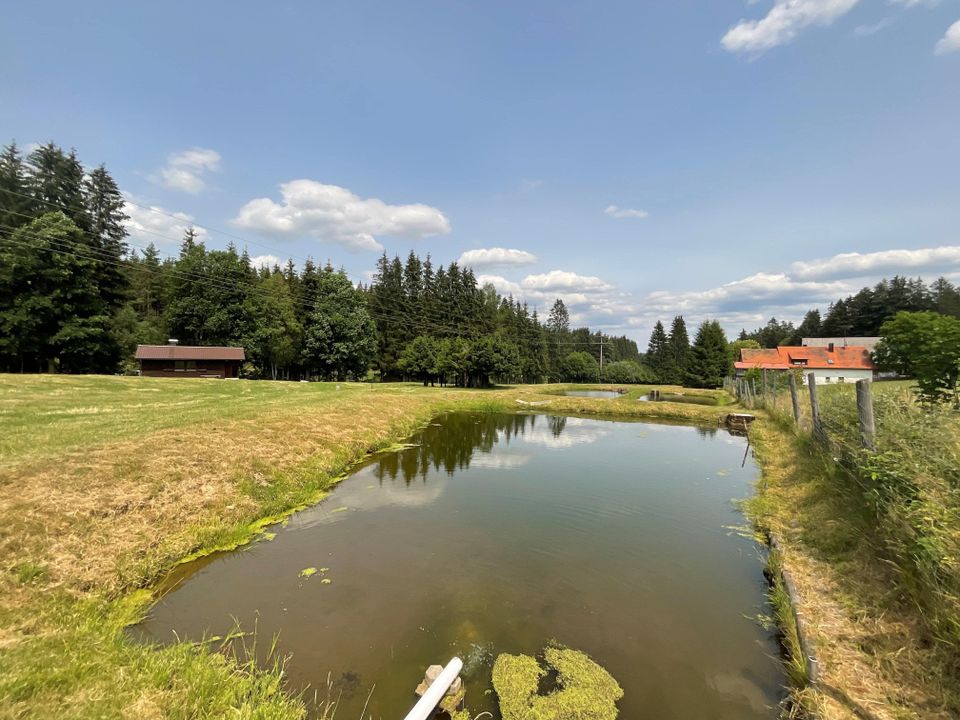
870 540
107 482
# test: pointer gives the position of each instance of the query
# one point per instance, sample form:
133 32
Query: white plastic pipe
434 694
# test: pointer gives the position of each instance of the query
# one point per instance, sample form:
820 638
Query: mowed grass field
107 482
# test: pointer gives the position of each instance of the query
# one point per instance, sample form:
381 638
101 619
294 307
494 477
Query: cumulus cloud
756 291
783 23
264 261
496 257
187 170
333 214
878 263
152 223
503 286
950 42
618 212
564 281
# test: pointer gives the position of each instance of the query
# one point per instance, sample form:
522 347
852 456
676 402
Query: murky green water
496 534
592 393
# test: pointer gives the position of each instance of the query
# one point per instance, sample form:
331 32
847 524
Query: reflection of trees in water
452 443
707 433
557 424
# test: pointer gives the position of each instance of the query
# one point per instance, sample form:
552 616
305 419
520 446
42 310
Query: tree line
76 297
864 313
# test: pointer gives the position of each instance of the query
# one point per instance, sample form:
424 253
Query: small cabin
175 360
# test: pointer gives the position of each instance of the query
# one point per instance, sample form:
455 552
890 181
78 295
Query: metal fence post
793 397
868 431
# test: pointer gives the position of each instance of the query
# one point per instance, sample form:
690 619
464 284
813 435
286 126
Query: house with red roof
828 364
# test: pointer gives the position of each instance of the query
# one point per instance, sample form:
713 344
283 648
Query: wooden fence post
868 431
815 407
793 397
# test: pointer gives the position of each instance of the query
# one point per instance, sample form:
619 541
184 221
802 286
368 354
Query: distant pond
497 533
593 393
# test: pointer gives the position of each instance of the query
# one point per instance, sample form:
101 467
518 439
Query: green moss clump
585 690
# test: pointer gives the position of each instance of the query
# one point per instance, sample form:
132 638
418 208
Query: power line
173 216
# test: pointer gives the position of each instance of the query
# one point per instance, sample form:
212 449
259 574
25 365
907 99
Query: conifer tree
16 207
678 352
657 352
709 357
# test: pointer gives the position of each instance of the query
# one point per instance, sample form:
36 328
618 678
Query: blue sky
636 158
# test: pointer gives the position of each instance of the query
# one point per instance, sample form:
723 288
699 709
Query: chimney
829 346
174 341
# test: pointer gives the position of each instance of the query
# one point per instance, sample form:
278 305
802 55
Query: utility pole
600 379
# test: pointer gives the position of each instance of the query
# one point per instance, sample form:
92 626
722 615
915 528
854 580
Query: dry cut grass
875 657
107 482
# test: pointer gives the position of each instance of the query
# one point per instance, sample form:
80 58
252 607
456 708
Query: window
840 379
179 365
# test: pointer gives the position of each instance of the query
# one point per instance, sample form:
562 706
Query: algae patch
308 572
584 690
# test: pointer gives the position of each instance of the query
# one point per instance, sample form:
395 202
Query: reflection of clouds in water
741 687
574 431
366 497
499 461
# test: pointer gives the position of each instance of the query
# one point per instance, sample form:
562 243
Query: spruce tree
16 207
678 352
709 357
107 235
657 352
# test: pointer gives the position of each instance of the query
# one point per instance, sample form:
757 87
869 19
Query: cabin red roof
188 352
851 357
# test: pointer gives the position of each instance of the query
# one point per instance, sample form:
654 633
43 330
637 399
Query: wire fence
843 421
894 479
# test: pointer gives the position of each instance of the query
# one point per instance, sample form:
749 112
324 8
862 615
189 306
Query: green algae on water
307 572
585 690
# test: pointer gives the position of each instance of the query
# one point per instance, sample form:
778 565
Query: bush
580 367
626 372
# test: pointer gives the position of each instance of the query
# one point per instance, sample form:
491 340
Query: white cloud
756 291
333 214
496 257
872 28
564 281
782 24
503 286
154 224
187 170
950 42
264 261
530 184
878 263
617 212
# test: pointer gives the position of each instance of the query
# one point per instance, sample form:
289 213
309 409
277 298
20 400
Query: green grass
875 539
106 483
43 414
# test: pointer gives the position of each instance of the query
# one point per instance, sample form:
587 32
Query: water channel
498 533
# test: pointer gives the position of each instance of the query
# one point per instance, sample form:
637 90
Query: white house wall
831 376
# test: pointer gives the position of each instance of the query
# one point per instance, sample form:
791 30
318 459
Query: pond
593 393
498 533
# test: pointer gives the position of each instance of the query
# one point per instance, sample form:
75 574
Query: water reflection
497 533
469 434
